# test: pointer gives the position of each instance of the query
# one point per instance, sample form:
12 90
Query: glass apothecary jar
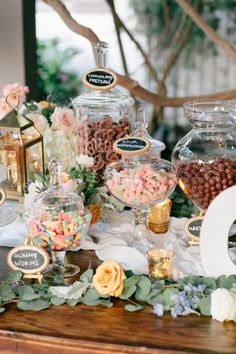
205 158
57 221
103 113
141 180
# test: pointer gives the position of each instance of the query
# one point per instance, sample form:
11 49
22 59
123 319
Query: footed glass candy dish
140 182
57 222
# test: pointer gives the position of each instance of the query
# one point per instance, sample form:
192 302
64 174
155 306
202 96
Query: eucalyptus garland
191 294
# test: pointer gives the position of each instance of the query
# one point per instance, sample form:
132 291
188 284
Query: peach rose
63 118
108 279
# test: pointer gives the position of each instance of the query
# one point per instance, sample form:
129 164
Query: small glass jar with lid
57 221
103 113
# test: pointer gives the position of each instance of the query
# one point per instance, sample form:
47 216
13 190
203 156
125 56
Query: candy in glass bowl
205 158
141 181
58 222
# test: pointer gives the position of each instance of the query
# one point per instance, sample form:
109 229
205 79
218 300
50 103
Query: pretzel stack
95 139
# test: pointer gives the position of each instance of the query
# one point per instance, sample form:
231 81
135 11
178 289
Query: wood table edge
22 343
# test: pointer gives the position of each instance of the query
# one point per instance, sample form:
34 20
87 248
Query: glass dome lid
55 198
100 95
94 99
156 146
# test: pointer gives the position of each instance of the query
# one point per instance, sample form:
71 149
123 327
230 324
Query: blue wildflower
200 288
158 310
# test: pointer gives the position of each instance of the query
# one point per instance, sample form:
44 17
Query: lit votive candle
159 217
160 262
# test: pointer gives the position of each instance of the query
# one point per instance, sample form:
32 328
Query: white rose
85 160
223 305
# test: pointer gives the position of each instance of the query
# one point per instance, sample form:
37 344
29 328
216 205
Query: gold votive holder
160 262
159 217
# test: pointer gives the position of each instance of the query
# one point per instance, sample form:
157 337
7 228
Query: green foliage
205 306
33 305
54 79
190 295
13 277
134 308
87 181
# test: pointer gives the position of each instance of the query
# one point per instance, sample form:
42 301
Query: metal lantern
21 153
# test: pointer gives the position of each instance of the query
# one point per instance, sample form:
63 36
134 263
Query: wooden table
84 329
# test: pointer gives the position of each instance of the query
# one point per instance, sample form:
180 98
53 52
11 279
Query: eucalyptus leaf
78 289
57 301
92 294
90 302
96 302
143 288
106 303
209 282
26 292
129 273
168 294
59 291
154 292
33 305
13 277
2 309
220 281
228 282
131 281
205 306
134 308
6 292
72 302
156 298
88 274
128 292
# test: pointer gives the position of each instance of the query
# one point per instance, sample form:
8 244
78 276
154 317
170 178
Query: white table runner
110 241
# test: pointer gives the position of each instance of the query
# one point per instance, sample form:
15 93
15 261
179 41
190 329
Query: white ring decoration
214 234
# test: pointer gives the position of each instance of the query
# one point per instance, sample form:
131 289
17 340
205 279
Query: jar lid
156 146
101 95
107 99
55 198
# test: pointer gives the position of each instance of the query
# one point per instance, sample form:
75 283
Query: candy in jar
103 114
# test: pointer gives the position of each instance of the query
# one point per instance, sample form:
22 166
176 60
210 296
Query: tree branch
144 55
118 34
208 30
125 81
158 100
173 56
66 17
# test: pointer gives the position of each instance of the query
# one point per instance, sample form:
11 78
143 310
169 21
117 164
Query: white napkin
13 234
111 242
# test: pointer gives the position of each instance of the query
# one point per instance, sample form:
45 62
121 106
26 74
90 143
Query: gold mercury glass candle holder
160 262
159 217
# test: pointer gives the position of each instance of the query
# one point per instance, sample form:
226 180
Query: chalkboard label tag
193 228
28 259
99 79
131 146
